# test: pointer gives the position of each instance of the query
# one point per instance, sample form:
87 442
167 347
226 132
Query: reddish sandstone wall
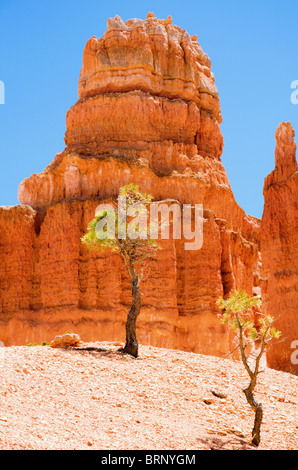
149 113
66 287
279 247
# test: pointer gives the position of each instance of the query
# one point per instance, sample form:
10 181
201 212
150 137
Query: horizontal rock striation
148 113
153 56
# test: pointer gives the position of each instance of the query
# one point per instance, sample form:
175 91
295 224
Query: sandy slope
68 399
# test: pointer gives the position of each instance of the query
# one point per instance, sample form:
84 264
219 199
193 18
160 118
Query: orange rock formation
149 113
279 235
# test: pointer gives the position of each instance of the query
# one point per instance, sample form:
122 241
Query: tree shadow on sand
98 352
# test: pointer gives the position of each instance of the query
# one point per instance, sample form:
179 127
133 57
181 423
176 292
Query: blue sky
253 47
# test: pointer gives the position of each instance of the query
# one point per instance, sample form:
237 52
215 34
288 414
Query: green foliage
133 195
44 343
92 241
110 228
237 313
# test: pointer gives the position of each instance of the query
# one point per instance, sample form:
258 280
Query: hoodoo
149 113
279 238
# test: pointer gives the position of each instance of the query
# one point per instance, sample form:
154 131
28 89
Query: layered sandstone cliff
149 113
279 248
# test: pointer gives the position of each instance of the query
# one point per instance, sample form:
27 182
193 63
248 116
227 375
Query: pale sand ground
67 399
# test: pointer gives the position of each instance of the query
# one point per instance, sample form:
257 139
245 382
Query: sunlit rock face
148 113
279 235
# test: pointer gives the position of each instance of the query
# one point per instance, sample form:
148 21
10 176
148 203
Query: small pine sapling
238 315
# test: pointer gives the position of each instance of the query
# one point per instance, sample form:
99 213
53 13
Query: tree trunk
256 432
257 407
131 346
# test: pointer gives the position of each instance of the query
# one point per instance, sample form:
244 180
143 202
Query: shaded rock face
149 113
279 235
